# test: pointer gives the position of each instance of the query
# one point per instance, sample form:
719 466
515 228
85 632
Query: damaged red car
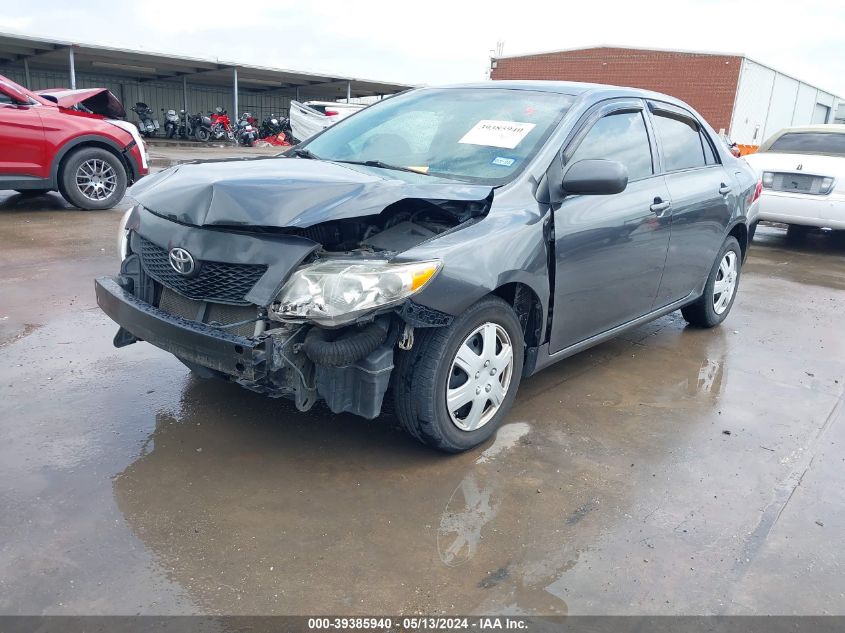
70 141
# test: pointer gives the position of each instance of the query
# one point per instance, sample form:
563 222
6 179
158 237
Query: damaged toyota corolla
441 245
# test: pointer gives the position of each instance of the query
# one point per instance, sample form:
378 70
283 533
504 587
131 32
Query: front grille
216 281
799 183
217 314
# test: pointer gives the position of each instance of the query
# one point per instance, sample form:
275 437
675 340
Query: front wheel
202 134
456 384
716 302
93 178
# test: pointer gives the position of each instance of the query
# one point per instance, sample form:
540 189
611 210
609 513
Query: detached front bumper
237 356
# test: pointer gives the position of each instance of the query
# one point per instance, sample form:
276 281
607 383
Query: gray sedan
443 244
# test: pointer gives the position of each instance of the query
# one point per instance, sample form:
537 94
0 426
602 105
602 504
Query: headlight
123 236
337 292
768 179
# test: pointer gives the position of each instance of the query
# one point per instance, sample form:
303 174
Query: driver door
610 250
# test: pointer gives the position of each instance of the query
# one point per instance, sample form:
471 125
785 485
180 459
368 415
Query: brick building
748 100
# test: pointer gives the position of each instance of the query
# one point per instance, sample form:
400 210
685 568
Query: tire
424 372
751 231
96 165
202 135
703 312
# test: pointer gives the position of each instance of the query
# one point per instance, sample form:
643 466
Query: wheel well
740 232
85 145
528 309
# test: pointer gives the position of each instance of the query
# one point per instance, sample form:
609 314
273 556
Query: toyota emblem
181 261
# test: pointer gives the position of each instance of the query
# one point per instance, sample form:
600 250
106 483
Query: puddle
506 438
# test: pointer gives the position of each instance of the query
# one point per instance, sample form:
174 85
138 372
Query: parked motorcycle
275 130
221 125
148 125
202 126
246 132
171 123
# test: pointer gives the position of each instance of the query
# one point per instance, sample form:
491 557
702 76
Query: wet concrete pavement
128 486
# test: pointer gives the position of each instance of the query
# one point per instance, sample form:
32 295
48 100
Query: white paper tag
507 134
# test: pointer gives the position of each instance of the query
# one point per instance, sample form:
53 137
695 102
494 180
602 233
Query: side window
709 155
681 142
621 137
4 99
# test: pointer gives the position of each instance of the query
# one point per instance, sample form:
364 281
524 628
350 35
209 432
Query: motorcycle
202 126
275 131
171 123
148 125
246 133
221 125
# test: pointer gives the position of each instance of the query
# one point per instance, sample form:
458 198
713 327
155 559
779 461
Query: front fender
507 246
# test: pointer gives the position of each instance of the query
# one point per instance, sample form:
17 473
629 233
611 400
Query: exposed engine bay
400 226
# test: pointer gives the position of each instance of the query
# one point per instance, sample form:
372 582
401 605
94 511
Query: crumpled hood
97 100
285 192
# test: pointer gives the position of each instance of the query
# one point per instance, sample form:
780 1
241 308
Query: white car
803 175
311 117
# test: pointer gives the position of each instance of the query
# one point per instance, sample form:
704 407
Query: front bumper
268 363
237 356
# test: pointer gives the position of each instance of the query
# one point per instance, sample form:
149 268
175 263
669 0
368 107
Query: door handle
659 207
724 189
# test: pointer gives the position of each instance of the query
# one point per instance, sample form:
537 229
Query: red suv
68 140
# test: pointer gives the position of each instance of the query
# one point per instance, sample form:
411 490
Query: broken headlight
336 292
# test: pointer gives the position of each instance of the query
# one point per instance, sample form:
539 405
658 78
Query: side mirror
595 177
13 93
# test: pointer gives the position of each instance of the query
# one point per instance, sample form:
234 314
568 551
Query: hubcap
725 286
96 179
479 377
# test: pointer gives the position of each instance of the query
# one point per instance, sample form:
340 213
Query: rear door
22 151
610 250
701 191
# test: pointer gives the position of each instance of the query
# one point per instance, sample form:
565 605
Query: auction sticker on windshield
506 134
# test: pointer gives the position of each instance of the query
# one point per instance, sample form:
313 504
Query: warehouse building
735 94
167 81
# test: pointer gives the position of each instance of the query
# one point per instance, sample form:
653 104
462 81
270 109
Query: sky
437 42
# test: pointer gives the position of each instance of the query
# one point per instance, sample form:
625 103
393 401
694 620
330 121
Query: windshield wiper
382 165
302 152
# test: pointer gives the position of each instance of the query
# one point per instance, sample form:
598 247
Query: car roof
832 128
572 88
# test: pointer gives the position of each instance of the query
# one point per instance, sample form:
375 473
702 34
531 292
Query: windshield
480 135
810 143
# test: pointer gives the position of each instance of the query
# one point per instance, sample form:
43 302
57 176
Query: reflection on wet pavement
671 470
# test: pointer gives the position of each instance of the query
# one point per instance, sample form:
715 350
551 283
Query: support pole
185 99
235 92
72 67
348 91
297 93
26 74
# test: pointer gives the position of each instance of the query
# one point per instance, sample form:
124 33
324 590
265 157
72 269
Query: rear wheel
202 134
716 302
457 383
93 178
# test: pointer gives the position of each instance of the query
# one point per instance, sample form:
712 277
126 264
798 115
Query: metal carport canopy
143 66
